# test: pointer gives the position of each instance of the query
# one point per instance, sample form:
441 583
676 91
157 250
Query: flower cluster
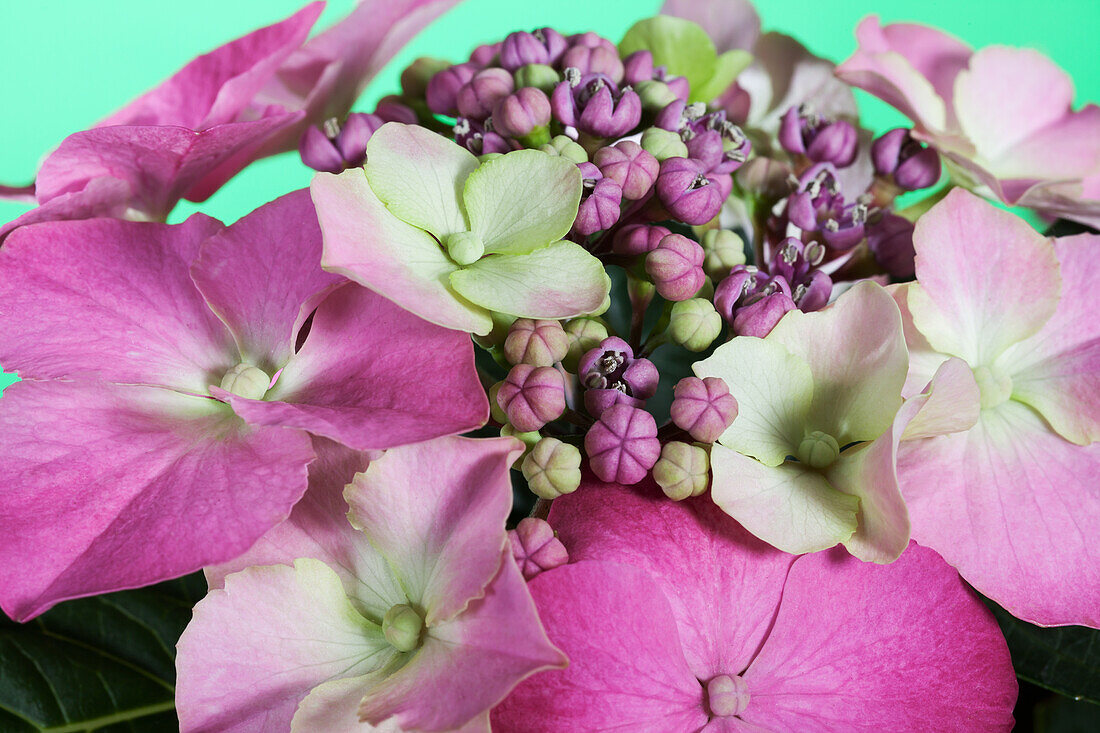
664 285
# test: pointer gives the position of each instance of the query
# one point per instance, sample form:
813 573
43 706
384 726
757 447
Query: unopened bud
536 342
723 250
682 470
662 144
552 468
584 334
694 324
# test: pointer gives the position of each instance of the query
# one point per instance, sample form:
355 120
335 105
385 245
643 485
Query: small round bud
818 450
535 547
485 55
688 193
529 440
464 248
415 78
654 95
532 396
638 67
682 470
676 267
584 334
627 163
522 113
442 91
403 627
495 410
552 468
477 97
567 148
245 380
694 324
539 76
622 445
597 60
600 208
723 250
536 342
759 318
727 696
638 239
912 165
703 407
662 144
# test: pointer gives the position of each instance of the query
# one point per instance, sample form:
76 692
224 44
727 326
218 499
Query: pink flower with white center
245 100
1011 502
171 385
1001 117
413 615
677 620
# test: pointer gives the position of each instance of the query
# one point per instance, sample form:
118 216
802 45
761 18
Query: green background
64 64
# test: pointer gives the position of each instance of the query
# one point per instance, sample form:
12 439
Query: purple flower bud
563 103
703 407
638 67
622 446
637 239
596 401
522 48
912 165
519 114
532 396
590 40
679 86
676 267
538 343
600 207
819 139
484 55
319 152
630 166
353 138
891 242
601 110
818 205
598 60
477 97
688 193
814 294
473 136
612 375
392 109
332 147
552 468
535 547
442 94
642 377
760 318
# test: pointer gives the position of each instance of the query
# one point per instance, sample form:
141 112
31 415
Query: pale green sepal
559 281
677 44
726 69
791 507
522 201
774 390
419 175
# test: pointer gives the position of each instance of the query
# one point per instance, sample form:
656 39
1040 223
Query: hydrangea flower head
453 240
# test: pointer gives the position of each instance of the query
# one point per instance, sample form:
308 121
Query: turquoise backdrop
64 64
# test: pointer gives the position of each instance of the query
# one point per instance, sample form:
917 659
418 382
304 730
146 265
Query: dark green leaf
1065 659
105 663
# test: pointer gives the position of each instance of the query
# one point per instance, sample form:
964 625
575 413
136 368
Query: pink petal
18 194
110 299
730 23
263 277
318 528
950 404
902 647
257 648
436 512
469 663
723 607
1057 371
626 671
1008 94
923 359
111 487
214 88
1011 505
967 253
909 67
106 197
1068 148
372 376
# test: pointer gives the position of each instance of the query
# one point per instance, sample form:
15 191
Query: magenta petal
723 607
112 300
110 487
436 512
468 664
215 87
371 376
1013 506
901 647
626 668
263 277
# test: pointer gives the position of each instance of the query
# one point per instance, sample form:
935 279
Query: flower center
727 696
818 450
403 627
245 380
994 387
465 248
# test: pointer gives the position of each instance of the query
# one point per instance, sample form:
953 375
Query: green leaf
677 44
105 663
1065 659
728 66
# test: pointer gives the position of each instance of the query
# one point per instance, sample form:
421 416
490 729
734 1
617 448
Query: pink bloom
1012 501
1001 116
676 619
412 616
163 422
250 98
